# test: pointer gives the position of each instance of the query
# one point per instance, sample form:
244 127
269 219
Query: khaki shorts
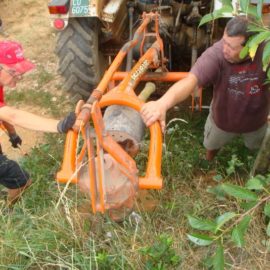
215 138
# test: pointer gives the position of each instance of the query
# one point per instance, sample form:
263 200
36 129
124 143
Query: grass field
54 230
44 232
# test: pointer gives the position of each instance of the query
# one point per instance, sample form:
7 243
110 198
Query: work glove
65 124
15 140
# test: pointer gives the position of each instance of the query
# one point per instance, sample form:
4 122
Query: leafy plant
161 255
234 163
231 226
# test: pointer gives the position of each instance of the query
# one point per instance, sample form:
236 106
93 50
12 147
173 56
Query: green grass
39 98
38 95
45 233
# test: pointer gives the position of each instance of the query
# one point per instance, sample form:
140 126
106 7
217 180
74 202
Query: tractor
91 32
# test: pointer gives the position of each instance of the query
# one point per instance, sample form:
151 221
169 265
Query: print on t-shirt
243 81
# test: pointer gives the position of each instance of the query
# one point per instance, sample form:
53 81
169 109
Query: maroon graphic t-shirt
241 99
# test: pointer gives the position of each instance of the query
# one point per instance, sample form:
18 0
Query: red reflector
58 9
59 24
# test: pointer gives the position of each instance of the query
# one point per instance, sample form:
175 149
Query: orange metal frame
122 94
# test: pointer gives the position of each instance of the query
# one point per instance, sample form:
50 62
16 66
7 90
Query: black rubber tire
80 62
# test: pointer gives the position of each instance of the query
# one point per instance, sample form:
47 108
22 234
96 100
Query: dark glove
15 140
64 125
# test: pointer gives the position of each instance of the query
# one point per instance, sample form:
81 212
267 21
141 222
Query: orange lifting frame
122 94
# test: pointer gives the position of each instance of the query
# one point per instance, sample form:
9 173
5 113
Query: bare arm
179 91
27 120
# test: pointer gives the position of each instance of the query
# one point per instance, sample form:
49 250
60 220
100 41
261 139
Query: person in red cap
12 67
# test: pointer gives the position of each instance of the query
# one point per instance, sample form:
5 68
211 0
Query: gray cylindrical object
124 124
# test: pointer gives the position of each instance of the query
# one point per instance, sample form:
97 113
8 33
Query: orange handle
67 172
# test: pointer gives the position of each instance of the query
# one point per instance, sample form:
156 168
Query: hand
153 111
15 140
84 114
65 124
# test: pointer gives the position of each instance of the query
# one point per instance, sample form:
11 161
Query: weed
161 255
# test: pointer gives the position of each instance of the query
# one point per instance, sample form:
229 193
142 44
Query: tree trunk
262 162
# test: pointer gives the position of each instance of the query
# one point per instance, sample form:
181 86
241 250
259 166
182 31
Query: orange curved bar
152 179
91 170
101 180
68 169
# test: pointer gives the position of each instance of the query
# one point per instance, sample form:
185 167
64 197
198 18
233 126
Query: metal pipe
130 53
154 76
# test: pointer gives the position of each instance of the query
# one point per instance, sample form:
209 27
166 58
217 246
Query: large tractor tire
80 63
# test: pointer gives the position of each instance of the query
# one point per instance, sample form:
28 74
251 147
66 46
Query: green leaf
268 229
259 8
255 28
255 41
266 209
224 12
267 81
244 52
207 262
268 74
199 224
247 205
244 5
259 38
227 3
252 10
218 260
239 192
266 56
254 183
221 220
218 177
206 18
239 231
200 239
218 192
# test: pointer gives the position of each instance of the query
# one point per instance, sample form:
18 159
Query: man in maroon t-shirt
12 67
241 100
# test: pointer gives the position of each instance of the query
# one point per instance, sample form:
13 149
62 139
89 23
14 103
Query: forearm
178 92
27 120
156 110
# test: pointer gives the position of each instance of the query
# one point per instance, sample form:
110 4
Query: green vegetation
44 232
207 216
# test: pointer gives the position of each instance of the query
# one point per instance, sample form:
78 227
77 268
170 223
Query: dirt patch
27 21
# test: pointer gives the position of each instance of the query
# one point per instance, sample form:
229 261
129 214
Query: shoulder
209 64
215 50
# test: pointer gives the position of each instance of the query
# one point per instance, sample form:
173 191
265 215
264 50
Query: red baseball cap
11 55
